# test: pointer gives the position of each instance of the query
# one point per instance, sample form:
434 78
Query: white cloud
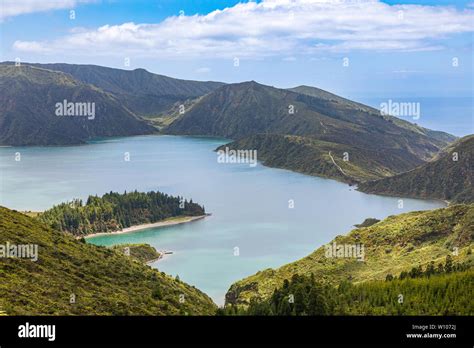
11 8
203 70
273 27
31 46
403 71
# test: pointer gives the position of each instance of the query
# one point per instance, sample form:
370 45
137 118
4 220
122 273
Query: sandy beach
164 223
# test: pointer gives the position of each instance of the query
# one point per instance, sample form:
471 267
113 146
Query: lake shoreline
251 204
136 228
163 254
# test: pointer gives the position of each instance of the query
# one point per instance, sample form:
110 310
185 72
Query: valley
146 132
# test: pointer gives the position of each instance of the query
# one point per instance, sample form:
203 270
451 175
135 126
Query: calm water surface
249 205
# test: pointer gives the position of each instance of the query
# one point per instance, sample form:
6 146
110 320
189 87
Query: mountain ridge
144 93
448 176
253 114
28 109
364 144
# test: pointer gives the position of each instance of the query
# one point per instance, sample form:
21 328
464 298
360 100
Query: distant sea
454 115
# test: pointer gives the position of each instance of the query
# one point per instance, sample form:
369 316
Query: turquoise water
249 205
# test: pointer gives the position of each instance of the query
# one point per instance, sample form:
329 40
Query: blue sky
393 48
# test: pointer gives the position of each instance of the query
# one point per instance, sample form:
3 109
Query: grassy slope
393 245
141 252
164 118
441 178
311 156
442 137
28 104
104 281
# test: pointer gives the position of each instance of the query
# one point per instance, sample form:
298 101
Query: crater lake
261 217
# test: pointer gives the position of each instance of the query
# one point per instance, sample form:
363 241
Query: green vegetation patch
141 252
114 211
449 176
444 290
71 277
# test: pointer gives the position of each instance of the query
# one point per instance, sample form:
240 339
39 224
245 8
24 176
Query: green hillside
141 252
449 176
391 246
144 93
442 290
28 109
324 95
322 158
254 115
443 137
164 118
104 281
243 109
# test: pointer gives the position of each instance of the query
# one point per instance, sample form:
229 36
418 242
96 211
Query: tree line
114 211
443 290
